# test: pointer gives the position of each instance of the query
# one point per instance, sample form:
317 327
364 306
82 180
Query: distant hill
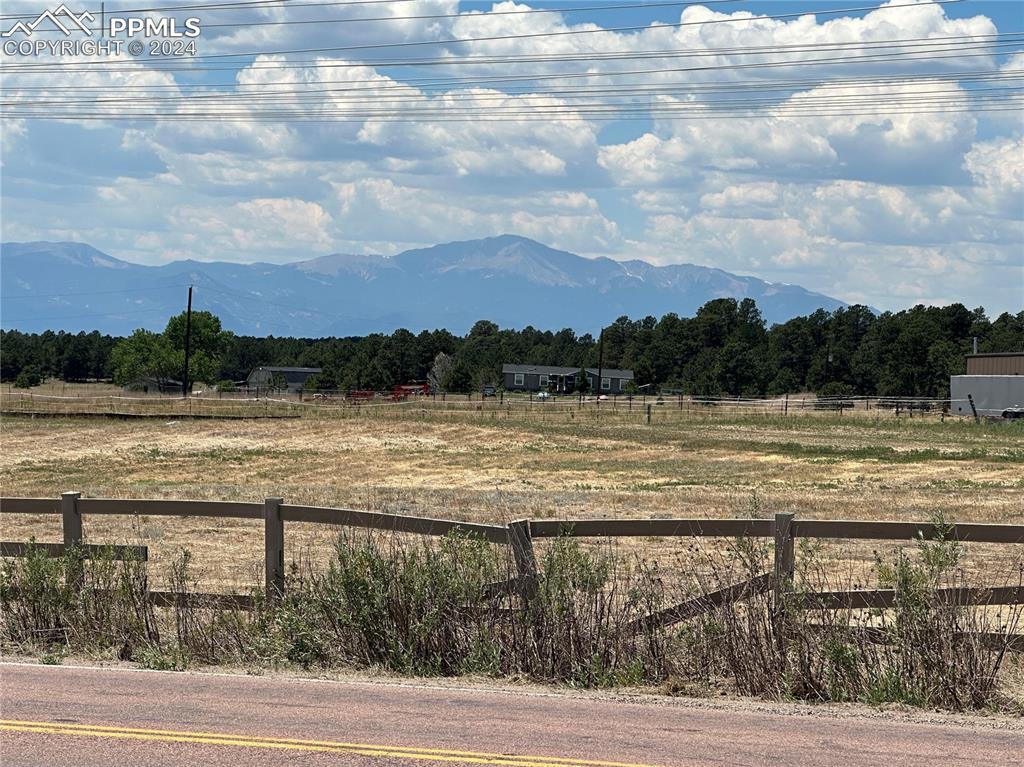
513 281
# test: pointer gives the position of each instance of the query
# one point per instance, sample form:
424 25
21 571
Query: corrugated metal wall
995 365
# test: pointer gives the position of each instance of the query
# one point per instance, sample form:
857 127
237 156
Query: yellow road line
246 741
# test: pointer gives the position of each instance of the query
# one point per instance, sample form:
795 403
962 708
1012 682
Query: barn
293 379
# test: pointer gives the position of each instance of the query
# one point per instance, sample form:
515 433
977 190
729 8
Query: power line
328 65
583 109
242 6
703 87
91 315
262 301
89 293
607 115
413 95
251 5
435 16
401 101
528 36
990 48
904 46
39 108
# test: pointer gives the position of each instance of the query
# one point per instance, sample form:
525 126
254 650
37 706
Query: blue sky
885 209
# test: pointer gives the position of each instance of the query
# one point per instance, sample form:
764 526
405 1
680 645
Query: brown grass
499 465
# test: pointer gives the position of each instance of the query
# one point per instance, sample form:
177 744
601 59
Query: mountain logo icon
61 18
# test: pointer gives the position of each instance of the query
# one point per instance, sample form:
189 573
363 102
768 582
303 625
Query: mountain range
510 280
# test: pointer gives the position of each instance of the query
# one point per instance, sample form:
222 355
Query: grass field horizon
498 466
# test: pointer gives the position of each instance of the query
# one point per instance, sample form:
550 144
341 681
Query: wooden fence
785 529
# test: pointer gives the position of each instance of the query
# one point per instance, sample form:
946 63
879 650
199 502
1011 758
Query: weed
428 608
52 658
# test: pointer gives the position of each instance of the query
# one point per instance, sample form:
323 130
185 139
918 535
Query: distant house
294 379
562 379
153 385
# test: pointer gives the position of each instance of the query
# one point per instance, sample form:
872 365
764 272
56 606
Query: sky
886 207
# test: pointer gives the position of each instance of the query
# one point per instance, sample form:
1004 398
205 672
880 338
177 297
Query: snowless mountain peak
508 279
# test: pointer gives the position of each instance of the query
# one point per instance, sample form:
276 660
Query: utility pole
188 342
600 365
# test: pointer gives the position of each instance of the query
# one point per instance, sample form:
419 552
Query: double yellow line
292 744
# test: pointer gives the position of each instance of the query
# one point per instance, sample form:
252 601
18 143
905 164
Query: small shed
291 379
154 385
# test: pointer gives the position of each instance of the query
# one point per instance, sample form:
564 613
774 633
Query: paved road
91 717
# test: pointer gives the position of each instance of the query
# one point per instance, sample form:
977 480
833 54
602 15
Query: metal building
292 379
997 396
998 364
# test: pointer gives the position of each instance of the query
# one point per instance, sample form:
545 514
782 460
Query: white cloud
879 208
997 168
378 209
775 143
256 225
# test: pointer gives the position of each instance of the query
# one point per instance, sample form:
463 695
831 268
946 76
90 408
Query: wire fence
209 404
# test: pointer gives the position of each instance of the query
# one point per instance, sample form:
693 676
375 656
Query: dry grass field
499 465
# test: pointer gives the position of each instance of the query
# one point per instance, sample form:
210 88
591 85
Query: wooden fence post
521 541
648 414
273 544
72 523
785 568
72 519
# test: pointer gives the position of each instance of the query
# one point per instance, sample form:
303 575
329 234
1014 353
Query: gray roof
554 370
155 379
273 369
291 375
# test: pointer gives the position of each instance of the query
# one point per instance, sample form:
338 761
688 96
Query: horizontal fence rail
519 535
398 523
614 528
87 550
884 598
30 505
162 508
902 531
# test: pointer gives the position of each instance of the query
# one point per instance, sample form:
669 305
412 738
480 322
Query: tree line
725 348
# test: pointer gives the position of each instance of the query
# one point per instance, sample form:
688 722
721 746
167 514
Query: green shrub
428 607
28 377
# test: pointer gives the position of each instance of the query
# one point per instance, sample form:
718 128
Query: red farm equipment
402 392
